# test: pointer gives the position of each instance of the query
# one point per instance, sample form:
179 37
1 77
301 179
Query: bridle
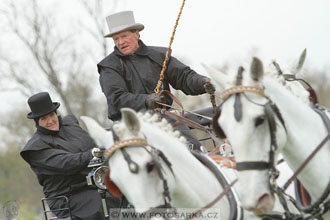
134 168
164 210
271 110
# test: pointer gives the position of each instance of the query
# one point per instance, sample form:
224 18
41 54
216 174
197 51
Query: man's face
50 122
127 42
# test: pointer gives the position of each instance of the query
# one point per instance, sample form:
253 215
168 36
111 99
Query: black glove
209 87
152 99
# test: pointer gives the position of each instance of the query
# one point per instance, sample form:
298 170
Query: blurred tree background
45 55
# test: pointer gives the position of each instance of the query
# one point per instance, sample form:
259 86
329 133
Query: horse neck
305 130
193 185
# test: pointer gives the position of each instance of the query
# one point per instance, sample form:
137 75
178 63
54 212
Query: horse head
254 127
260 118
152 166
136 168
243 121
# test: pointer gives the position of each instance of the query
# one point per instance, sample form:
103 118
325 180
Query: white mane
295 87
163 125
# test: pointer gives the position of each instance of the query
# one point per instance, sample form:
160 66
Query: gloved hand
209 87
152 99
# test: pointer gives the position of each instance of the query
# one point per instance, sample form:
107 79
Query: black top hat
41 104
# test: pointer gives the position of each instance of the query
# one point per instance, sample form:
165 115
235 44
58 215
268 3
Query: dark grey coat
127 80
60 159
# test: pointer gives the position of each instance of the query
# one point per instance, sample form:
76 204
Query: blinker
238 103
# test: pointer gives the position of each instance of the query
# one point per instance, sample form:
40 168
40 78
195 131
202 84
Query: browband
240 89
124 143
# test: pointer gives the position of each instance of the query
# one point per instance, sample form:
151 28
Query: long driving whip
161 77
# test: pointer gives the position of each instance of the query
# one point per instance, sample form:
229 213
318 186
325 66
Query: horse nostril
265 203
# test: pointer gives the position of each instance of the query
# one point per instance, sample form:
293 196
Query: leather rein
180 117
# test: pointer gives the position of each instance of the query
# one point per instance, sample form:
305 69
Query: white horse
261 113
157 169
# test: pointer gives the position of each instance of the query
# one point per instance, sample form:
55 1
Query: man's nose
120 41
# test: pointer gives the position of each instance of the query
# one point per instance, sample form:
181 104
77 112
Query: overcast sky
218 31
221 30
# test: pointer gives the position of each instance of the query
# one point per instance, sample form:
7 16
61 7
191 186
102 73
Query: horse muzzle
264 205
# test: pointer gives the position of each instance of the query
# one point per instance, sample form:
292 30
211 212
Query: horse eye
150 166
259 120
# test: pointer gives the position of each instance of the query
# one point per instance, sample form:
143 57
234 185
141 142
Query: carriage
148 149
203 118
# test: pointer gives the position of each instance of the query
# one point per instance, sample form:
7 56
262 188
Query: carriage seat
49 213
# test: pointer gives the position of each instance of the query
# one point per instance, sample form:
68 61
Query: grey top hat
122 21
41 104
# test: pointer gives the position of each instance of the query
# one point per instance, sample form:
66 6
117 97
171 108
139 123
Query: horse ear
131 120
300 62
220 78
256 69
99 134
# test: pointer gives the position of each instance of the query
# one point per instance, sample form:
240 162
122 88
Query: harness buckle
273 175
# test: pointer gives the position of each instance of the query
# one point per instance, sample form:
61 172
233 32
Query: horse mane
295 87
163 124
270 72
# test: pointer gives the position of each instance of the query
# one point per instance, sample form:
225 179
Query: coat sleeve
50 161
117 94
182 77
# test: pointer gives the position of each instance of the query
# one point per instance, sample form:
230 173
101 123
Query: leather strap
238 102
175 100
253 165
190 124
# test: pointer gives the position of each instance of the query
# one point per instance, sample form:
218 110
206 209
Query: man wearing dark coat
129 75
59 153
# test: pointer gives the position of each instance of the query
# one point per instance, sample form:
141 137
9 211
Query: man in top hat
129 75
59 153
